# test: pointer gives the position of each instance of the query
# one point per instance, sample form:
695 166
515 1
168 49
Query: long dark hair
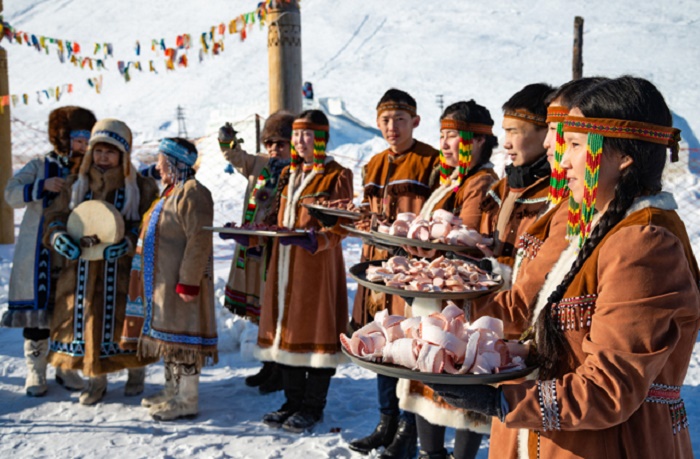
627 98
316 117
471 112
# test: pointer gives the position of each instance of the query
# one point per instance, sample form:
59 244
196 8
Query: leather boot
438 455
274 382
405 442
382 436
167 392
95 390
36 354
261 376
294 381
185 404
315 393
135 381
69 379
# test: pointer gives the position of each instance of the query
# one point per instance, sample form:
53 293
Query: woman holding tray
615 325
305 301
466 175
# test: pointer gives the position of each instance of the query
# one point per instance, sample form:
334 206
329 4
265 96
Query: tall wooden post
577 70
7 217
284 56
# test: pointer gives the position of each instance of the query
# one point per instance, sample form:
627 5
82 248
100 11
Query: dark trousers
306 388
388 401
432 440
36 334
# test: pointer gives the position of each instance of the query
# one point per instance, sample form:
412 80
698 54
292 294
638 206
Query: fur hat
62 121
278 127
113 132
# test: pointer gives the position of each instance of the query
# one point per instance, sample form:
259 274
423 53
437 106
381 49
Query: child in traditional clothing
245 286
615 325
171 296
396 180
466 175
91 294
305 303
32 280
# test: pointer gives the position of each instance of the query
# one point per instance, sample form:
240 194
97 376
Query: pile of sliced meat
444 227
440 343
438 275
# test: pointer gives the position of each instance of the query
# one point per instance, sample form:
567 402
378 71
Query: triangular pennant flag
97 48
15 99
151 68
137 48
25 99
70 88
109 49
76 48
183 61
222 28
232 27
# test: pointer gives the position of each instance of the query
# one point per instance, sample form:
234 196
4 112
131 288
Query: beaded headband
476 128
526 115
396 106
299 125
624 129
556 113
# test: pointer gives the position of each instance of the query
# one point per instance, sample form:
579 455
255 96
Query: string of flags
175 52
43 95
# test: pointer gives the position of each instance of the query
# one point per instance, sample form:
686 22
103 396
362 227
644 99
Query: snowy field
353 51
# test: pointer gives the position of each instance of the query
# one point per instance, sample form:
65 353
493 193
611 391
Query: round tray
342 213
400 241
354 232
396 371
358 272
252 232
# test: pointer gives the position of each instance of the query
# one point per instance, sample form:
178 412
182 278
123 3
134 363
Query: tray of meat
444 231
257 230
355 231
440 278
342 208
440 348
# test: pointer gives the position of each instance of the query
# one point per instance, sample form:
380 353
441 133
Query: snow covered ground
354 51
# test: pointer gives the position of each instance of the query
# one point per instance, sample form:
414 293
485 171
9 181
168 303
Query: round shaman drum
94 225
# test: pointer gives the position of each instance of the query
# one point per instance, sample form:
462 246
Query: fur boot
135 381
36 354
95 390
69 379
167 392
185 404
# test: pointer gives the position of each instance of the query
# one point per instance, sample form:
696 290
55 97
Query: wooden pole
284 56
7 217
578 48
257 133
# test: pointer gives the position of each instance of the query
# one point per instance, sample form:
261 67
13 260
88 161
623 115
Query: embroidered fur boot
167 392
69 379
185 403
95 390
135 381
36 353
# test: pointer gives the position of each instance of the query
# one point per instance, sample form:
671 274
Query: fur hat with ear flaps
278 126
117 133
62 121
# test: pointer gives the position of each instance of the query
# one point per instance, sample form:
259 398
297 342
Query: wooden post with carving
284 56
7 217
577 68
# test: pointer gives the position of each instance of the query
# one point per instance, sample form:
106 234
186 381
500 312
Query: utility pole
284 56
181 127
577 67
7 215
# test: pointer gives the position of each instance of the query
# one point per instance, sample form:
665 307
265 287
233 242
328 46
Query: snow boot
185 403
277 418
438 455
95 390
294 380
36 354
302 421
135 381
405 443
167 392
273 383
261 376
382 436
69 379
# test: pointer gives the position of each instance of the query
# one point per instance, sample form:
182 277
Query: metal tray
354 232
358 271
342 213
396 371
252 232
399 241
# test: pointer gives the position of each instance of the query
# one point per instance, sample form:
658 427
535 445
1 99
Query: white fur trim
523 437
555 276
438 195
435 414
662 200
503 270
299 359
519 256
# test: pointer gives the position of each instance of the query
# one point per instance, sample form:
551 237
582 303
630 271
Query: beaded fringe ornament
594 151
296 159
573 226
319 151
445 170
466 141
557 181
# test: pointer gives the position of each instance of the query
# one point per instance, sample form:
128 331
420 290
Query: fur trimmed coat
631 319
305 304
91 295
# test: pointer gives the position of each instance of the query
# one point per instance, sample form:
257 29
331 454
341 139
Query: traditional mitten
226 135
306 241
325 219
116 251
241 239
66 246
481 398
